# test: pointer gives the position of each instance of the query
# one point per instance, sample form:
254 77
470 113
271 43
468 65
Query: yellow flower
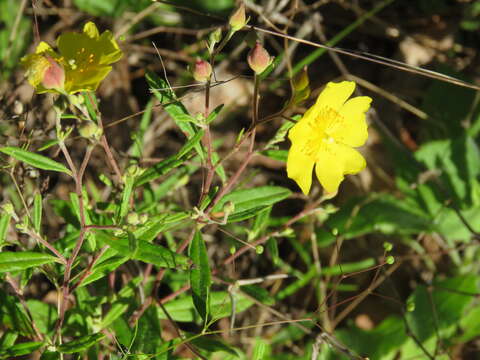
325 137
85 59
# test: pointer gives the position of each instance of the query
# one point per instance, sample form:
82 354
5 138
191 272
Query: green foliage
156 249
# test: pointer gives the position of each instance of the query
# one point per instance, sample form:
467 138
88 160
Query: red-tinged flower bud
202 70
259 59
54 76
238 19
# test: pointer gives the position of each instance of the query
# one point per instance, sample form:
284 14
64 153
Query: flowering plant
82 62
325 137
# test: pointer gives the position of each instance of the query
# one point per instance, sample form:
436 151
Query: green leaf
211 345
45 315
136 149
21 349
382 213
7 340
441 308
213 115
250 202
126 195
165 166
4 222
149 253
200 276
148 337
12 47
382 342
80 344
14 261
173 106
220 306
37 212
258 293
35 160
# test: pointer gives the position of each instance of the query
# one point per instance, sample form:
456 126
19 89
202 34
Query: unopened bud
90 130
238 19
54 76
143 218
259 59
300 82
202 70
134 170
215 36
229 207
133 219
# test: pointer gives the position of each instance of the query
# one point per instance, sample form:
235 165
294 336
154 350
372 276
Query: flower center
322 129
82 61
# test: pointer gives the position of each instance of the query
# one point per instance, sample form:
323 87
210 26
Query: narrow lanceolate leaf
4 222
165 166
250 202
35 160
146 252
21 349
37 212
126 195
14 261
80 344
200 277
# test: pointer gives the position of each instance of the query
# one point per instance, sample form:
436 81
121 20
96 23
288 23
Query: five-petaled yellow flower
325 137
82 62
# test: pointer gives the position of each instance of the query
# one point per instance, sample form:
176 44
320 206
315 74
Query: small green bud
238 19
143 219
118 232
301 81
387 246
133 218
228 207
90 130
335 232
259 249
232 249
134 170
390 260
259 59
410 306
8 208
202 70
215 36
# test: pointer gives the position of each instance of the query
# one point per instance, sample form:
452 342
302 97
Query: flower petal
91 30
299 168
335 94
335 160
351 129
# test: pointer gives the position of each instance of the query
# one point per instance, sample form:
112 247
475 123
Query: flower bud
238 20
259 59
90 130
54 76
202 70
133 218
301 81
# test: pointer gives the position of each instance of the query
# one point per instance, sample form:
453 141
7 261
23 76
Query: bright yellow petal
42 47
351 127
299 168
90 29
335 160
335 94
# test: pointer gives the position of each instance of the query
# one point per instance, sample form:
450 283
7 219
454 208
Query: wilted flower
325 137
82 62
259 59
